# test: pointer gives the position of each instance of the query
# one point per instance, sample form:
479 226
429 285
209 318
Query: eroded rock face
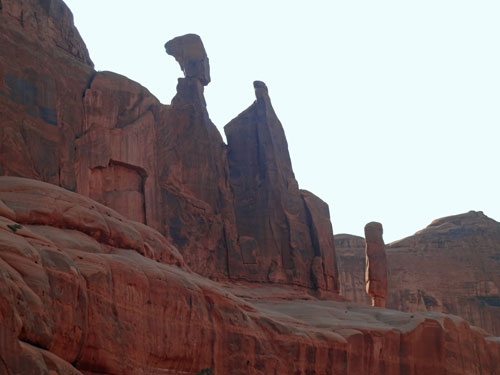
46 22
192 170
351 260
116 154
108 138
283 238
162 165
466 246
376 264
83 290
44 70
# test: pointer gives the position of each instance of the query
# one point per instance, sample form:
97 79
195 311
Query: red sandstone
85 291
451 266
376 264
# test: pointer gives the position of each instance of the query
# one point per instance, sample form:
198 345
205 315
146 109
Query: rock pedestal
376 264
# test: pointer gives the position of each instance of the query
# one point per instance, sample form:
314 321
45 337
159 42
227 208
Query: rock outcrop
376 264
351 259
282 232
44 70
162 165
83 290
451 266
106 137
48 23
192 169
102 274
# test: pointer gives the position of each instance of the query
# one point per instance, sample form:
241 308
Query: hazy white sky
391 108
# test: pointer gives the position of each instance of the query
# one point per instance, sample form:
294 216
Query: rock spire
376 264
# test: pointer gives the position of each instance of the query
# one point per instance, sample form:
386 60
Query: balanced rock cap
190 53
374 232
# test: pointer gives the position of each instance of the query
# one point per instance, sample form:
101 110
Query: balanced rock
189 52
376 264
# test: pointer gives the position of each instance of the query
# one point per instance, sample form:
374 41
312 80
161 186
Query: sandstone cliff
281 229
87 288
451 266
44 70
83 290
106 137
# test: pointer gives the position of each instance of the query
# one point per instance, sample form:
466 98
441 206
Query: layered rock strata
451 266
351 259
86 290
376 264
284 233
83 290
44 70
107 137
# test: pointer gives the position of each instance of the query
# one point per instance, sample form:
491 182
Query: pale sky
391 108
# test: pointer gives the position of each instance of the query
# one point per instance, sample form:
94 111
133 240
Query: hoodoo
376 264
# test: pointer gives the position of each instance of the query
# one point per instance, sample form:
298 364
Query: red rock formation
84 290
282 231
351 260
108 138
161 165
44 69
190 53
376 264
451 266
192 169
47 23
